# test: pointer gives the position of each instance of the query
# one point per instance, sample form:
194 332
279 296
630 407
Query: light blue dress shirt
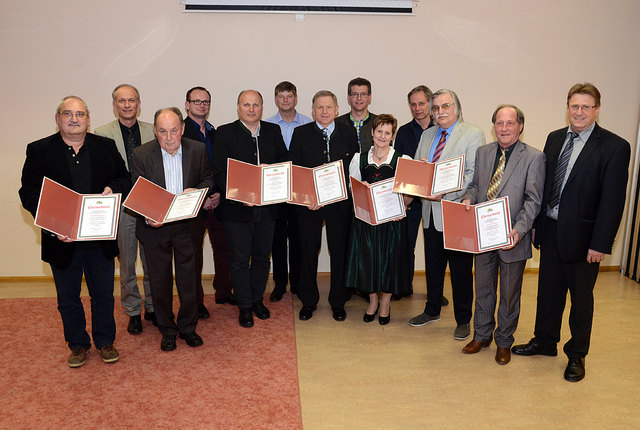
173 170
287 128
436 139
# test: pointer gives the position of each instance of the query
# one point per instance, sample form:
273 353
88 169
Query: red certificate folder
154 202
416 178
460 227
245 182
304 185
364 206
60 211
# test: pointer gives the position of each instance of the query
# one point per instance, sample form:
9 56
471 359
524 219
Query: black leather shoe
229 300
370 317
444 301
384 320
535 348
151 316
339 314
203 313
135 325
306 313
168 342
246 317
276 295
575 370
261 311
193 339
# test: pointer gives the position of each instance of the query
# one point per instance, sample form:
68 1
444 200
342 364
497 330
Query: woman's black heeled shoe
384 320
368 317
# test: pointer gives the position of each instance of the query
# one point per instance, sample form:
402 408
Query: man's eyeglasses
67 114
359 95
443 106
200 102
585 108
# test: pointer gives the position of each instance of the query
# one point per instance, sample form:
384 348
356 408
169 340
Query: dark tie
130 145
440 147
492 192
561 171
325 135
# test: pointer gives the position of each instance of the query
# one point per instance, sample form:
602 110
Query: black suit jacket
47 157
196 173
308 149
366 138
593 198
233 140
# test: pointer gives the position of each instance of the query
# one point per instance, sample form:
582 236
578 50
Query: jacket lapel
586 152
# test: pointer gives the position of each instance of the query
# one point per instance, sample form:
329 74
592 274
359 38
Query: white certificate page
447 175
99 217
185 205
492 220
329 183
276 182
387 204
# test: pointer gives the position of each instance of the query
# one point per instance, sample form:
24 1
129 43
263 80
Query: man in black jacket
87 164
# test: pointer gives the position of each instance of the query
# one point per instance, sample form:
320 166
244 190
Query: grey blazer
523 182
112 131
464 139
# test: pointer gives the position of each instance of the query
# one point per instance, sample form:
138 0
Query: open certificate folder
258 185
77 216
485 227
418 178
319 185
376 203
159 205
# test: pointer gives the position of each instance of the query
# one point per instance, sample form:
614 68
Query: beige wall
489 52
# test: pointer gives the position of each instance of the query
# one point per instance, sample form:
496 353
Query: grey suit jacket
464 139
113 131
522 182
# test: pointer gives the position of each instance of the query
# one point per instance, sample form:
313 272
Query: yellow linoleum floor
366 376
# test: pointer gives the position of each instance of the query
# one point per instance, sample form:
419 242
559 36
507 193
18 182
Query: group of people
567 201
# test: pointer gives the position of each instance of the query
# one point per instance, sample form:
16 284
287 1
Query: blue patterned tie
561 171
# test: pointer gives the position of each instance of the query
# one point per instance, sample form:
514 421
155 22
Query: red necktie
440 147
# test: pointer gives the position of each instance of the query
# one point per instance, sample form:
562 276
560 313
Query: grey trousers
128 244
489 266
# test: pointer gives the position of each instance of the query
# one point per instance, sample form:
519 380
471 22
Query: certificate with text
419 178
77 216
258 185
484 227
157 204
319 185
376 203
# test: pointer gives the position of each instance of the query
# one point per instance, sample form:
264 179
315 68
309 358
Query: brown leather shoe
475 346
503 355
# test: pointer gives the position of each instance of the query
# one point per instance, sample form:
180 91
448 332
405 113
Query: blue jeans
98 272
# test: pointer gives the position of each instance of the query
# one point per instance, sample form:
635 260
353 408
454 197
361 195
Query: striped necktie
440 147
492 192
325 135
561 171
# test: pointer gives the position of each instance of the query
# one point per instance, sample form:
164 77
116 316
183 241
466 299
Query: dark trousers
414 216
338 221
286 228
175 242
218 239
461 269
555 279
98 272
249 249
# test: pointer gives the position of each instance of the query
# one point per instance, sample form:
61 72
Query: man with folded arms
324 141
286 99
128 132
249 228
452 137
87 164
178 165
506 168
584 196
196 127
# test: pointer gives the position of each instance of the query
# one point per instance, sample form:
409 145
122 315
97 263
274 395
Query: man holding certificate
510 168
314 144
584 196
179 165
249 228
451 138
87 164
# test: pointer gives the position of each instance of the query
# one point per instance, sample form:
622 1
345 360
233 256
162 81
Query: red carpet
240 378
